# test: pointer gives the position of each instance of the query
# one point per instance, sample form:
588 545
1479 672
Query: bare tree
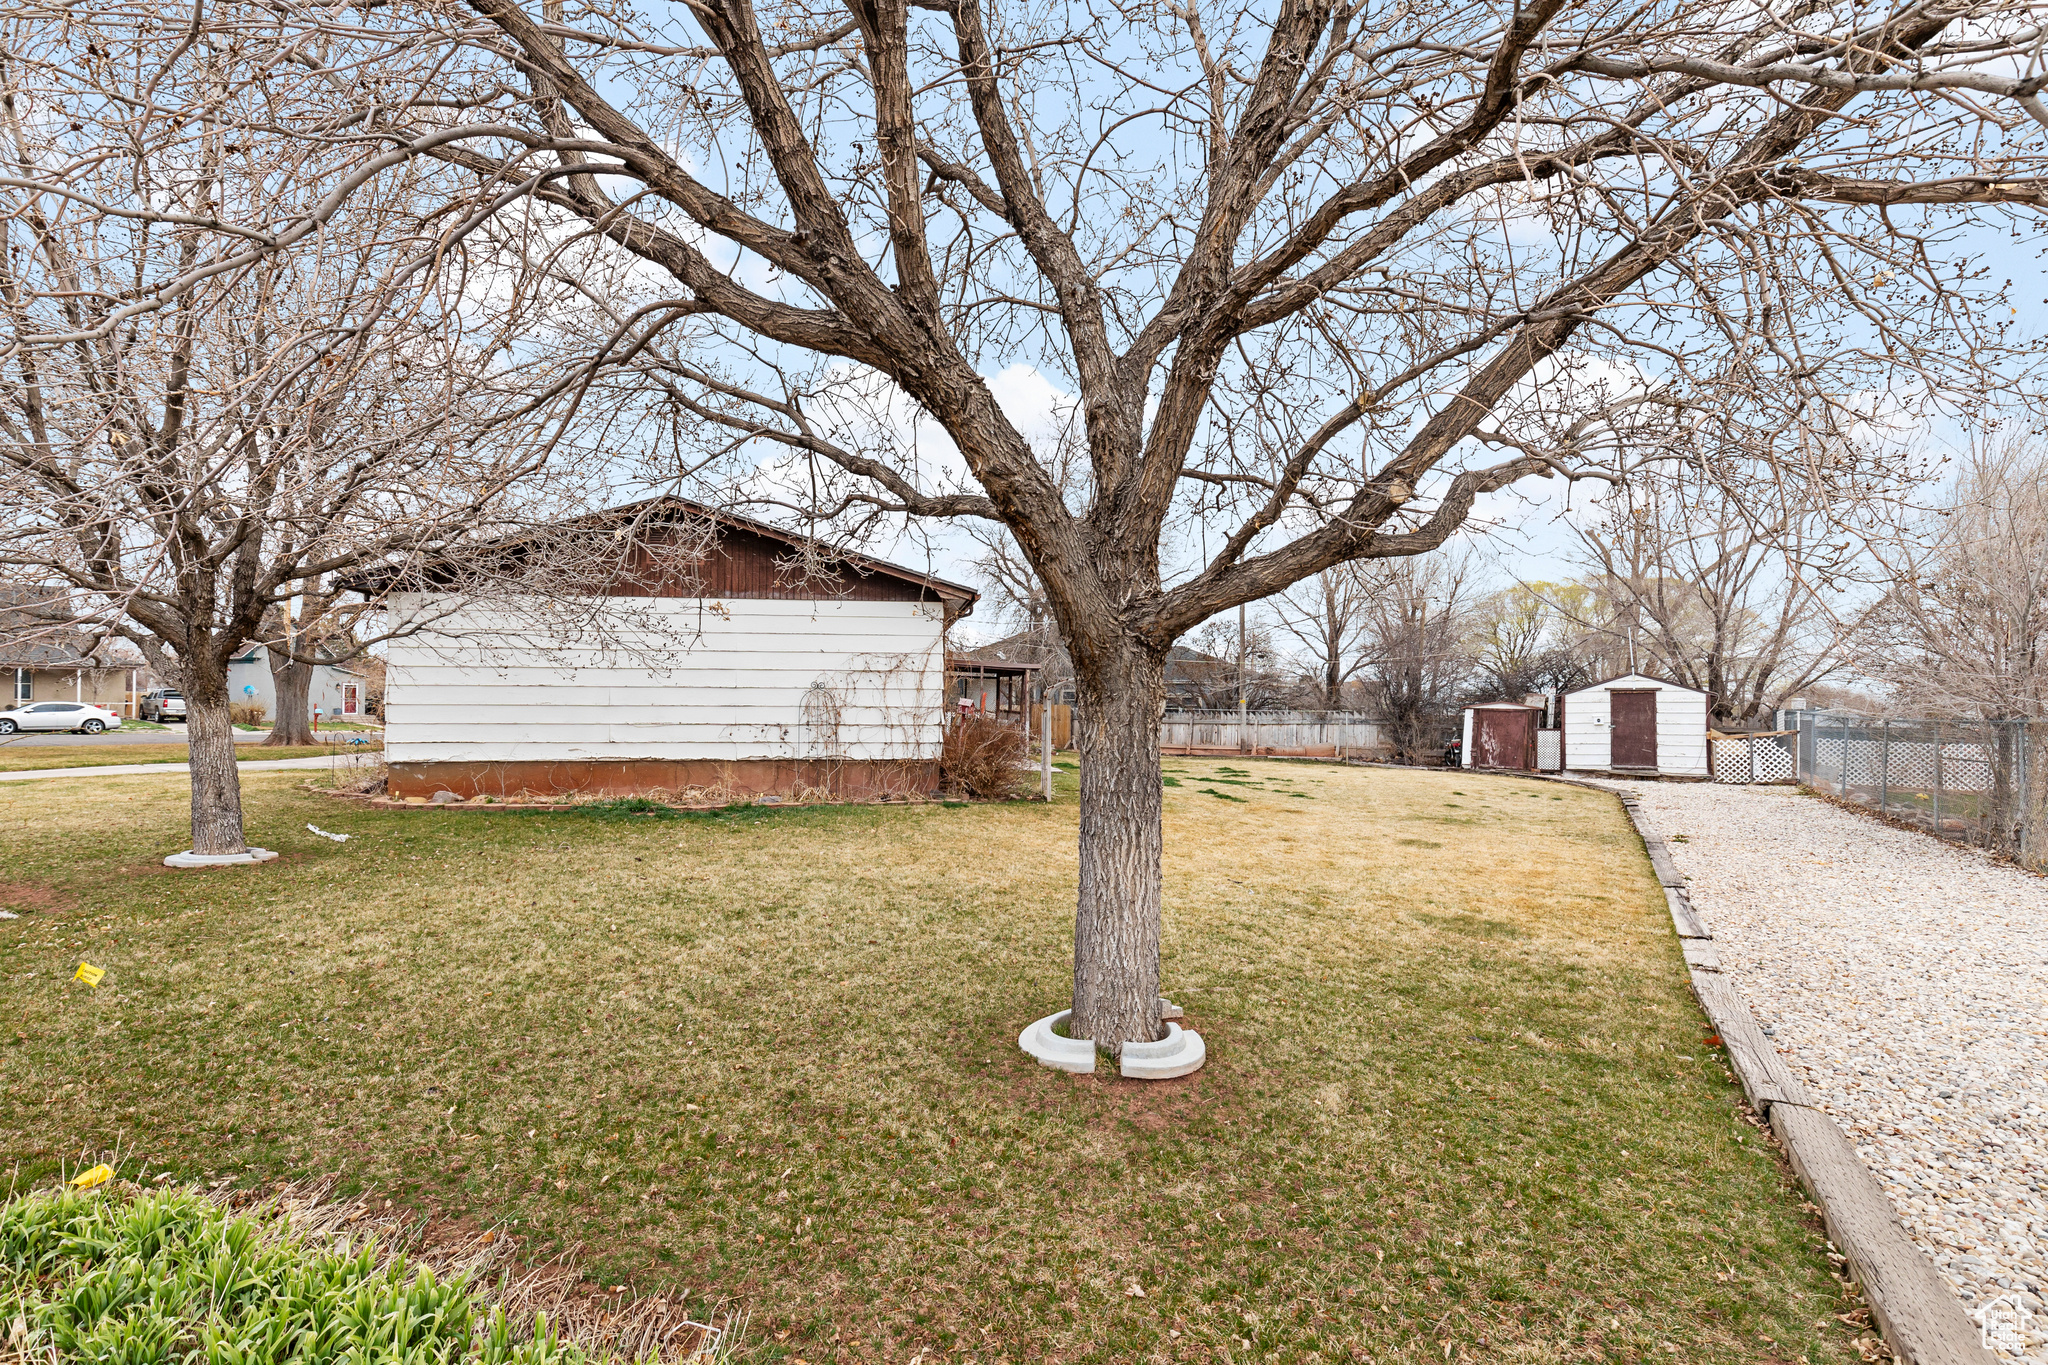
1240 239
297 636
1419 662
1528 639
182 460
1738 596
1230 663
1964 629
1326 616
1014 591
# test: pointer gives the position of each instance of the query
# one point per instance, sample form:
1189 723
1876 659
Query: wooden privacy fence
1299 734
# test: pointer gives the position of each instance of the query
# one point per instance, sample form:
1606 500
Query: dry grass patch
28 758
1458 1103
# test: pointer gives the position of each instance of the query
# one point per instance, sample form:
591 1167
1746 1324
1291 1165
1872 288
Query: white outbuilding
1636 726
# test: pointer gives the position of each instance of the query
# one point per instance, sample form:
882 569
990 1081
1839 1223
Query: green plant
172 1276
627 805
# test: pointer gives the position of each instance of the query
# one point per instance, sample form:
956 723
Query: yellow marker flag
98 1175
89 974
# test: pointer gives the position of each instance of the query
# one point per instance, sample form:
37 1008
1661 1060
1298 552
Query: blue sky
1520 532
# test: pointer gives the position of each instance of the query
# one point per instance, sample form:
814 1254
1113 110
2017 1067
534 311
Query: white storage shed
1636 725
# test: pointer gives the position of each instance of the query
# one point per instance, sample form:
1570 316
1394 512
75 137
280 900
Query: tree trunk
1116 926
292 681
216 786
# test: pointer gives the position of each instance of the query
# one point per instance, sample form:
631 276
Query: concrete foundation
741 779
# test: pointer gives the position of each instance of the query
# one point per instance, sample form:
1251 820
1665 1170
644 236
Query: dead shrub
982 758
364 779
250 714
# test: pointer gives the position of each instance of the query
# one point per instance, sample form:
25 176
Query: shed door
1635 729
1502 739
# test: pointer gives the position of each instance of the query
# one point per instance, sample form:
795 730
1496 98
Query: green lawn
1458 1106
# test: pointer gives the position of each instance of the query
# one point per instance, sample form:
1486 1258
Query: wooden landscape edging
1922 1320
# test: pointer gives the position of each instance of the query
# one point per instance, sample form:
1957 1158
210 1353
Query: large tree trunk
292 681
1116 927
216 786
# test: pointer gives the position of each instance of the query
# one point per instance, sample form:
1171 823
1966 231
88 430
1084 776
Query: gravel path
1906 983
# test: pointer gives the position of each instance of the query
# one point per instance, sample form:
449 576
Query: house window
24 685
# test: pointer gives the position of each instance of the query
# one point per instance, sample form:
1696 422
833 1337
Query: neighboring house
1194 680
729 669
44 658
1636 725
337 689
371 666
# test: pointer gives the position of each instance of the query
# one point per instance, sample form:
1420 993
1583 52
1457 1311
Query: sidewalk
137 769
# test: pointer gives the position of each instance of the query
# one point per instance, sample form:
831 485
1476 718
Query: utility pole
1244 733
1045 744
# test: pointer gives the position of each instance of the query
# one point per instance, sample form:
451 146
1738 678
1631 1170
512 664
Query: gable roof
670 510
248 651
1646 677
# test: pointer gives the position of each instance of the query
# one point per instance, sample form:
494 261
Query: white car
58 715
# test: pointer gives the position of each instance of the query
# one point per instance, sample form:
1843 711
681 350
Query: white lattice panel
1773 760
1731 761
1743 760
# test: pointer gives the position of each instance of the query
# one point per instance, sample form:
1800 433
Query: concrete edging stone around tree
1180 1053
243 859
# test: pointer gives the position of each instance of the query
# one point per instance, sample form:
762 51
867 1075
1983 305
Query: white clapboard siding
645 706
679 731
749 679
1681 726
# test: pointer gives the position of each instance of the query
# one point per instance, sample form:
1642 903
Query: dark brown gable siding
746 564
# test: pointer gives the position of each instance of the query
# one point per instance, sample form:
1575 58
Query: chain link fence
1981 782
